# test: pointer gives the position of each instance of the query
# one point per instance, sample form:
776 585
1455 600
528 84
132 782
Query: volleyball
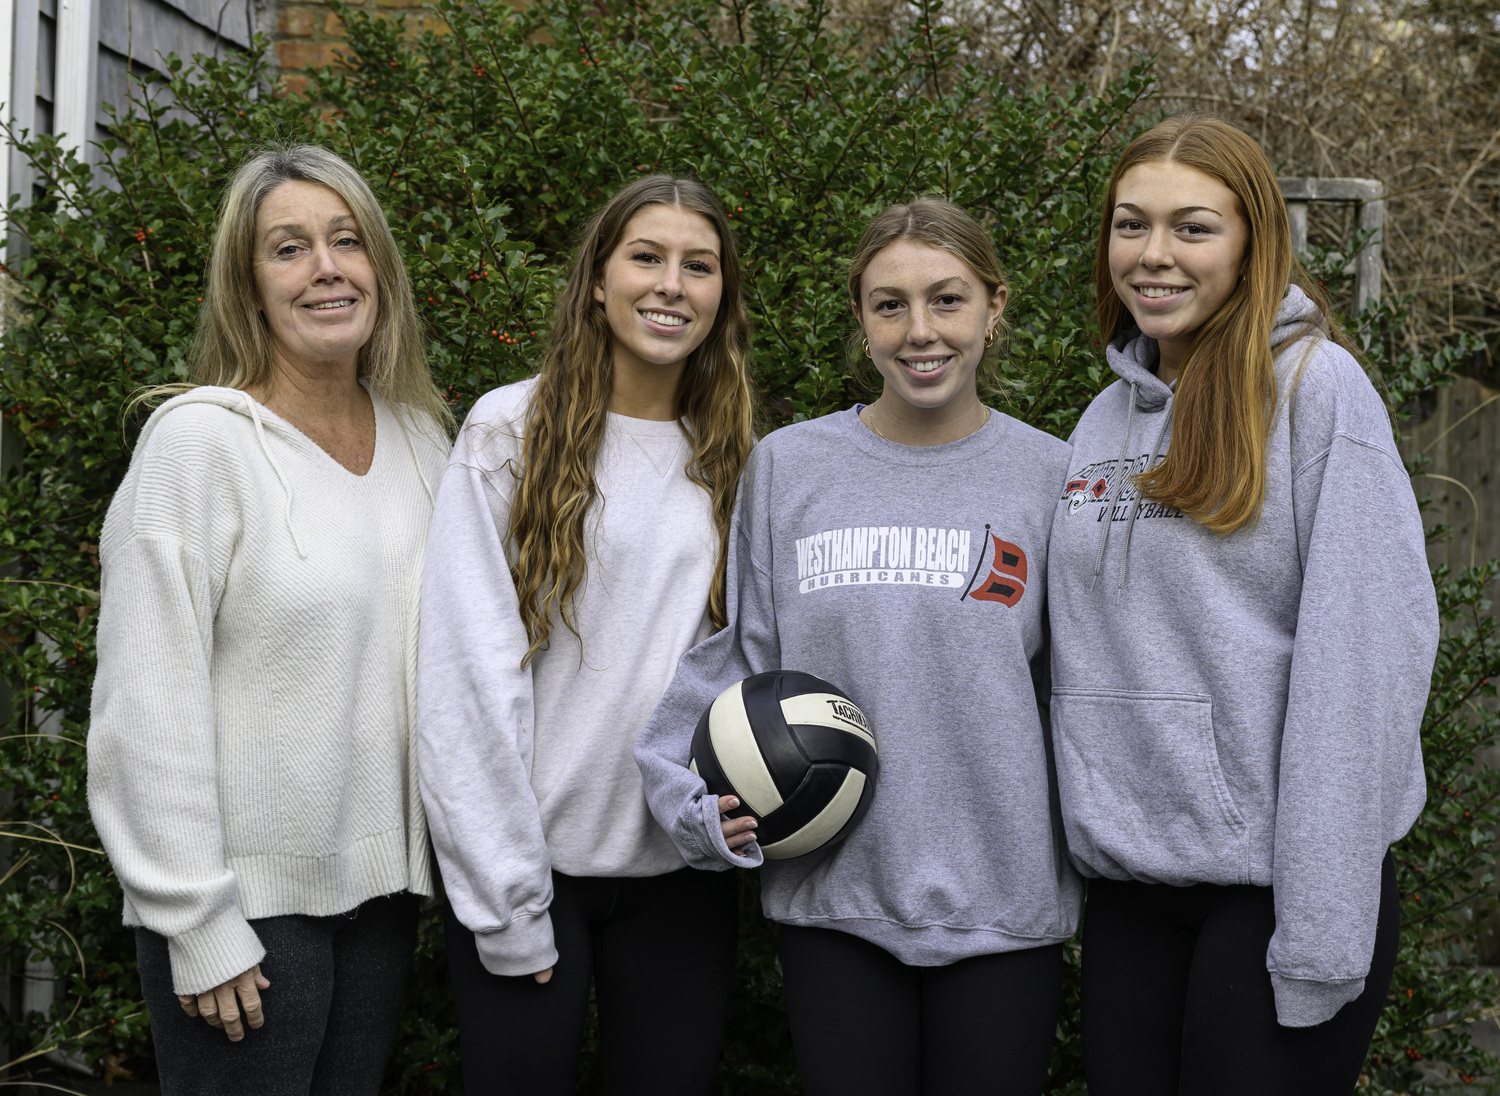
798 753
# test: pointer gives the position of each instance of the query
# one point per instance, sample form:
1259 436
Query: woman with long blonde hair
251 754
577 549
1243 628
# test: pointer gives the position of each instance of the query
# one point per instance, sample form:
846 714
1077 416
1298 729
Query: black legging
660 952
1177 1001
864 1022
337 985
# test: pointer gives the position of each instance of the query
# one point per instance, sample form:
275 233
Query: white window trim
75 86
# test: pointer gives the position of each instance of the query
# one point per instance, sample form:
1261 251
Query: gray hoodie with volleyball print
1245 708
913 580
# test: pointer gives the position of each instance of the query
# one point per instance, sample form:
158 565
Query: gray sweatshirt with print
912 579
1245 709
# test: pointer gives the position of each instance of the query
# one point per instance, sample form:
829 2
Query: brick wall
309 34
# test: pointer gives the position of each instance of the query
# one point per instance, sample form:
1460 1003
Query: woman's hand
221 1009
543 976
738 832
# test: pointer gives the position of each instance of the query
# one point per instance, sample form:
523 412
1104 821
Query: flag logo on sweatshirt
1095 482
930 558
1080 492
1077 493
1006 582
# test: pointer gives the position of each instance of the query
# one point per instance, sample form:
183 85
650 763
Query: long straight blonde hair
231 345
569 408
1215 468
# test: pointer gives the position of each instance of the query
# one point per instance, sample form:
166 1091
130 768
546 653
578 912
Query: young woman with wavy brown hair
577 550
1243 631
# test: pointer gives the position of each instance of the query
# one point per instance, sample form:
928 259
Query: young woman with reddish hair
1243 629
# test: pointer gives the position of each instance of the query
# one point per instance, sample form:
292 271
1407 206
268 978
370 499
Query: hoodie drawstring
1114 495
1135 508
260 433
406 432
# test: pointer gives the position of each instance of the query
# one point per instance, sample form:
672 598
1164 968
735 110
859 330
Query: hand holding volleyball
795 752
738 832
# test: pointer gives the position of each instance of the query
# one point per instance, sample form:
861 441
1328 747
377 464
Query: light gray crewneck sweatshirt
1246 709
527 769
911 578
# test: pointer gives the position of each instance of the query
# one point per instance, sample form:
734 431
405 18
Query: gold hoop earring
989 338
867 349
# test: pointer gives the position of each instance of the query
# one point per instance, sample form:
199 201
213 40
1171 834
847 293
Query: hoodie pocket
1142 793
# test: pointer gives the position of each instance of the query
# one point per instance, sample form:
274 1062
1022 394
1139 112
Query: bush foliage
488 145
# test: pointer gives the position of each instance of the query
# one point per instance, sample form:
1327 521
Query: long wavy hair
232 345
1215 468
555 488
939 223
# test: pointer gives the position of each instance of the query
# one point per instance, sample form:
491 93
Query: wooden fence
1461 436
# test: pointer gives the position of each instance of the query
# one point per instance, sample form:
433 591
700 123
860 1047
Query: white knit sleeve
153 782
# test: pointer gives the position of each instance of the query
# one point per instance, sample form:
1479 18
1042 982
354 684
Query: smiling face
660 287
315 280
925 313
1176 250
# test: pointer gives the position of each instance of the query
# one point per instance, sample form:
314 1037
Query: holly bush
488 145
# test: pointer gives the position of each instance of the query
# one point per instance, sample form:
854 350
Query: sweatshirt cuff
213 953
525 946
727 857
1301 1003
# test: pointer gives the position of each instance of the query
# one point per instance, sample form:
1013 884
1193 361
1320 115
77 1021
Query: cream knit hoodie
251 751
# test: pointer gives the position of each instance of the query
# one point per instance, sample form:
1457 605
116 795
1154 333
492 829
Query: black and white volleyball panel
798 753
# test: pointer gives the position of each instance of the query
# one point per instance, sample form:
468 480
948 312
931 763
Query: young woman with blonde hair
899 551
1243 628
251 754
577 549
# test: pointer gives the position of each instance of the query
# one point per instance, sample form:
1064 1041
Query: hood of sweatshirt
231 399
1133 357
266 421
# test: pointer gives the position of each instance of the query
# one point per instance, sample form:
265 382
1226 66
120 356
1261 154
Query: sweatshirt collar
960 449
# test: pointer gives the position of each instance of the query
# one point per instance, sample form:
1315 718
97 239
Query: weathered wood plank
144 28
1462 438
1312 189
